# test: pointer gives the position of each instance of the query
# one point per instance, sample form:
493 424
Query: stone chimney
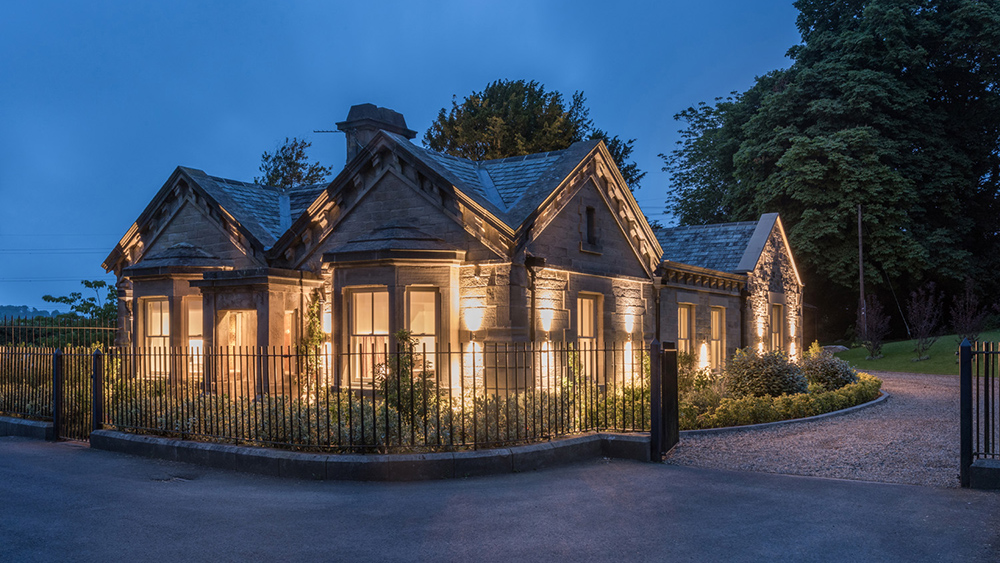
364 120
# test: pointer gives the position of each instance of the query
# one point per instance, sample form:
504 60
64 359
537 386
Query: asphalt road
66 502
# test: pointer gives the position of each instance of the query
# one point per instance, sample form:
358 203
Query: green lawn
898 356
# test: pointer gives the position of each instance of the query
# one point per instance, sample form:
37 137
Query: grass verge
899 356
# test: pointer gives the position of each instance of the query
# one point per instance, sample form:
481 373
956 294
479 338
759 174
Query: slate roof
256 206
717 247
510 188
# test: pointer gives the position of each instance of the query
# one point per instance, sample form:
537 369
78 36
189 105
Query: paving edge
37 429
708 431
377 467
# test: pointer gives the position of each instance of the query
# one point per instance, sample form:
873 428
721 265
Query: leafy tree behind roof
288 166
518 117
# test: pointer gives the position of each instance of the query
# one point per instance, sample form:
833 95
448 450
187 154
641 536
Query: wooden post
861 274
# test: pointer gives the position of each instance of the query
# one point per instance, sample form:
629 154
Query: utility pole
861 274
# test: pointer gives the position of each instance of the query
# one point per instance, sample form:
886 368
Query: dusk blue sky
100 101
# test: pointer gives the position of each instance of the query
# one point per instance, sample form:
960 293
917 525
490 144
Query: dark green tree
288 166
890 104
101 307
518 117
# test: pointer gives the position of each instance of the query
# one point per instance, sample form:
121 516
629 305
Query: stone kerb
39 430
378 467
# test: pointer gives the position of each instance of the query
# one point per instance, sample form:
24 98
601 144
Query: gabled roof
255 206
510 188
725 247
716 247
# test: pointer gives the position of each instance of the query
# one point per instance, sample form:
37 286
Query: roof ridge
241 183
489 188
730 224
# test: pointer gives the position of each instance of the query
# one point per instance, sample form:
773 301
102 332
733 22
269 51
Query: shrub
924 311
825 370
758 410
967 317
872 326
751 374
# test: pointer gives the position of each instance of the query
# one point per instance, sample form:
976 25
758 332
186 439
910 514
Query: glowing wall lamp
546 316
474 318
703 361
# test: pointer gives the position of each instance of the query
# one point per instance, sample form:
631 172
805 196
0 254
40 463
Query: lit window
718 341
587 310
195 316
237 331
157 326
777 328
685 328
195 323
157 323
369 332
423 326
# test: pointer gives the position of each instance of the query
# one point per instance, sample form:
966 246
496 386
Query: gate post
965 417
57 393
97 386
655 402
671 407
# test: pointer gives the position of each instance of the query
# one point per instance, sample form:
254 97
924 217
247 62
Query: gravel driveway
910 438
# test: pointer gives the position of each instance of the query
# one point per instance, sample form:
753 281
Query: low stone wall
375 467
39 430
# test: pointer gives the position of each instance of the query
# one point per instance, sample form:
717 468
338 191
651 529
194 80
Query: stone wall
773 281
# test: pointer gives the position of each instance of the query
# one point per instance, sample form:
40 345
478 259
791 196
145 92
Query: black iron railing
26 381
374 400
487 395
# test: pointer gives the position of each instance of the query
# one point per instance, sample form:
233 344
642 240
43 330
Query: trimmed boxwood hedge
757 410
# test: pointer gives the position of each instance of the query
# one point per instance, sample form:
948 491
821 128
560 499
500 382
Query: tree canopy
518 117
288 166
103 306
890 104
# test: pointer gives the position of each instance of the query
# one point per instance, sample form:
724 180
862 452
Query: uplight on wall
629 324
327 321
703 361
474 317
546 316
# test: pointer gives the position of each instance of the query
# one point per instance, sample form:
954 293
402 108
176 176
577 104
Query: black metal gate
979 374
72 393
664 404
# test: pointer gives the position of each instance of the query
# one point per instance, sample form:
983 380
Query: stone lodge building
547 247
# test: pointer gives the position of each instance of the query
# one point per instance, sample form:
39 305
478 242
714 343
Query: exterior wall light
703 361
474 318
546 316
